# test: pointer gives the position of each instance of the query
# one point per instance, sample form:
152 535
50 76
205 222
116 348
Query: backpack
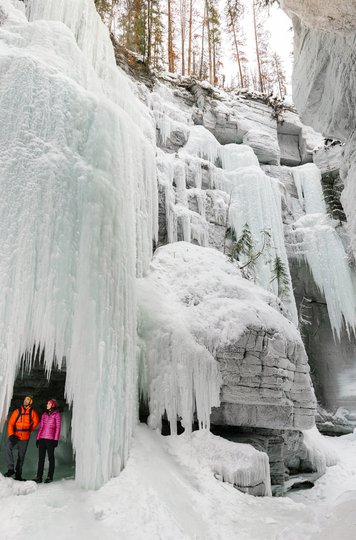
19 410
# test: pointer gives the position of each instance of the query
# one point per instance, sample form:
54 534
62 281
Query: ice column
78 187
318 242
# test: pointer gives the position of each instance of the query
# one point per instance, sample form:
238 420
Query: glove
55 444
37 443
13 439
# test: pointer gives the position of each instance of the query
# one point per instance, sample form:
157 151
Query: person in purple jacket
47 440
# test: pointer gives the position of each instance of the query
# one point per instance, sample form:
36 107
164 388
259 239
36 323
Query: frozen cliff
324 79
204 331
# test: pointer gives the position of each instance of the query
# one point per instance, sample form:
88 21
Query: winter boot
48 480
19 478
9 473
37 480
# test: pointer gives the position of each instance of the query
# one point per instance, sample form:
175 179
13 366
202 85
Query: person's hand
55 444
37 443
13 438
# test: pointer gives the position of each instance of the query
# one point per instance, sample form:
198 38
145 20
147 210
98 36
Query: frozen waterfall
318 242
251 197
78 184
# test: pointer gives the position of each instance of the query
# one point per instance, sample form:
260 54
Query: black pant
45 445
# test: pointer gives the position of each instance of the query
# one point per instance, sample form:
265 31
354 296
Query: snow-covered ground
164 493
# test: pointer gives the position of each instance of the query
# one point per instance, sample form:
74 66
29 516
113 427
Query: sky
279 25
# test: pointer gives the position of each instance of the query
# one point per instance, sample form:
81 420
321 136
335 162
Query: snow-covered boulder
239 464
262 361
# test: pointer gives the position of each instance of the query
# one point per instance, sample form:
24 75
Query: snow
235 463
165 492
78 214
251 197
317 240
192 303
320 452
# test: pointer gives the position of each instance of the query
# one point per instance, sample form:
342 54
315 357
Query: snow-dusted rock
296 141
340 423
337 16
329 158
265 382
261 358
324 79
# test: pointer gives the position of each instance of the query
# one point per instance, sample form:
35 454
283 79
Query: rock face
324 80
261 358
265 383
332 361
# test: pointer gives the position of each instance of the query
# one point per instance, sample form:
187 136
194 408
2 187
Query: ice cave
177 269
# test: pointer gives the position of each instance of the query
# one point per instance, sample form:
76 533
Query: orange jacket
22 425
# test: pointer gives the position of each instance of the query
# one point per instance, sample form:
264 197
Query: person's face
27 401
49 405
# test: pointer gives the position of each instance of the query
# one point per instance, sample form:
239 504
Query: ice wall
324 79
78 186
318 242
253 198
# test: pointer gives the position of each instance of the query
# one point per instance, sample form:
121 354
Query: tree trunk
182 32
149 31
257 49
202 44
237 51
190 36
209 44
170 39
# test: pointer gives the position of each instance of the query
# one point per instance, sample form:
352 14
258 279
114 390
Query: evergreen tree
332 194
279 75
234 11
281 274
214 39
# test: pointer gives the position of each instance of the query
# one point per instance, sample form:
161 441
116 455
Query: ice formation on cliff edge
324 80
247 194
75 202
319 243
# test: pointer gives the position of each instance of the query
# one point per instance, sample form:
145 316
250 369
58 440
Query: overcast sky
279 26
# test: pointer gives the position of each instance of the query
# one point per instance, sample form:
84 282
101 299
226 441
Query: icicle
178 376
318 242
253 199
78 187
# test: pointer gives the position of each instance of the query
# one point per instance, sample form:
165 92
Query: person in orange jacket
22 422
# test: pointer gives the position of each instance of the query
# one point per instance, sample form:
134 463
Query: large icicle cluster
319 243
78 188
177 375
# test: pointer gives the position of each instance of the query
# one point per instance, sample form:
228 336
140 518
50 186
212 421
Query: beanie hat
30 398
53 403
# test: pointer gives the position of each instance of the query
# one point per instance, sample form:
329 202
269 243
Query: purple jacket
50 426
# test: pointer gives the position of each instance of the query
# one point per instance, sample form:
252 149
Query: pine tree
134 26
214 39
263 51
279 75
332 195
171 48
154 34
234 10
280 273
